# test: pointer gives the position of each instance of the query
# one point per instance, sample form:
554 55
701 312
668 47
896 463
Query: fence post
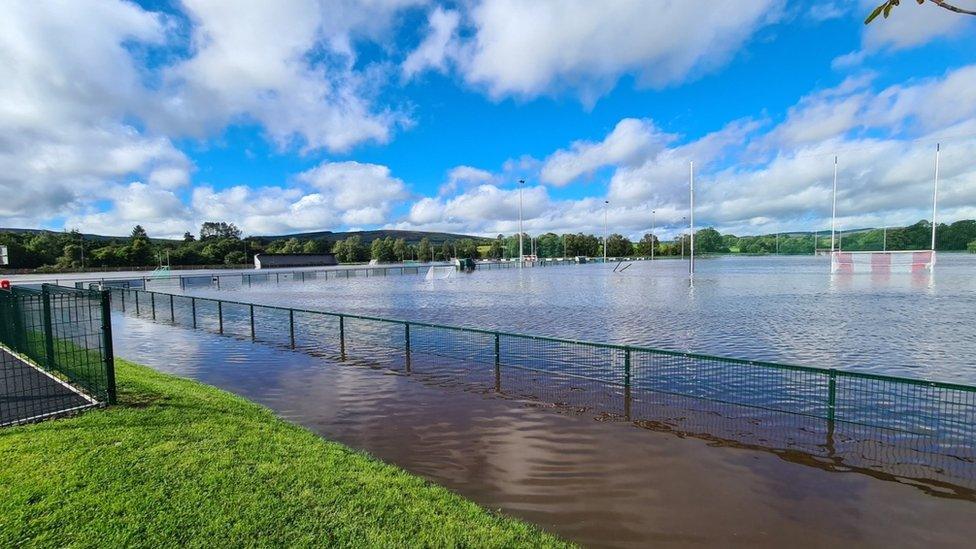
342 337
498 361
627 382
172 312
291 326
108 352
152 303
252 322
248 281
122 293
220 316
406 337
193 309
137 301
48 327
831 394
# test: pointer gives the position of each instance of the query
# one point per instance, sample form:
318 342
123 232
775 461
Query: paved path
27 393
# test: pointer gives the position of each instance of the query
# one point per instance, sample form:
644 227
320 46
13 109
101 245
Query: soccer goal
909 261
441 272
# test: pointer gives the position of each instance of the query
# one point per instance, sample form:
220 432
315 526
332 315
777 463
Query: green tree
709 240
187 237
619 246
292 246
971 247
235 257
138 233
400 249
382 250
447 250
219 229
496 249
647 242
425 252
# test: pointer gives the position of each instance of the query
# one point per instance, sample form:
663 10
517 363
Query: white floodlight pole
691 190
815 235
935 196
884 239
653 214
521 255
606 207
833 209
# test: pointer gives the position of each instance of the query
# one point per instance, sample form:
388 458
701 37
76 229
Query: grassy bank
178 462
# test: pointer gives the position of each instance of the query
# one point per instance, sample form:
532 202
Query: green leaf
874 14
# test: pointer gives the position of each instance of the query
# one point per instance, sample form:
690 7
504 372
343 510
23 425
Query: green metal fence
918 408
57 352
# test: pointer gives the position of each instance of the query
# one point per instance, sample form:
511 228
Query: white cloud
630 142
440 45
462 177
368 191
533 48
286 65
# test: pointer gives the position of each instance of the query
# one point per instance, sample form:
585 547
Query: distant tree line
222 244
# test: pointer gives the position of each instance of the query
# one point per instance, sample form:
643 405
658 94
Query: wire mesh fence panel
271 325
236 319
55 350
566 358
748 384
317 333
916 408
380 342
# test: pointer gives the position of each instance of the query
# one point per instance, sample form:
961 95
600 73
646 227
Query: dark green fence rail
57 351
919 408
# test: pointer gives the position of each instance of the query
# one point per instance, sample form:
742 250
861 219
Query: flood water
694 476
578 457
783 309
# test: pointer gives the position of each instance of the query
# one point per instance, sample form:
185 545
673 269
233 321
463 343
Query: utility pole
691 189
653 214
521 255
833 209
682 237
884 239
935 196
606 206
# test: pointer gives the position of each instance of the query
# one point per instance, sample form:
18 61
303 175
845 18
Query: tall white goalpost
885 261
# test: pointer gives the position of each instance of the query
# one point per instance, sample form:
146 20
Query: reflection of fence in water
924 425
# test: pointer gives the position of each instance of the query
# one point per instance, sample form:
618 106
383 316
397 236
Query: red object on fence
4 284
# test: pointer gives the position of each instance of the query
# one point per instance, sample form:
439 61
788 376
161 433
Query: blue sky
333 114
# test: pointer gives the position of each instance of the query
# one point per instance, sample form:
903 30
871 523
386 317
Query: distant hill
411 237
87 236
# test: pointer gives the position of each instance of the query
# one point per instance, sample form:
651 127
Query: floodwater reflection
562 454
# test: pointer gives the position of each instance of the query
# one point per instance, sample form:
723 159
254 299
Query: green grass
181 463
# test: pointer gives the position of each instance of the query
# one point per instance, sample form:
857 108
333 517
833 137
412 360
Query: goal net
440 272
909 261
